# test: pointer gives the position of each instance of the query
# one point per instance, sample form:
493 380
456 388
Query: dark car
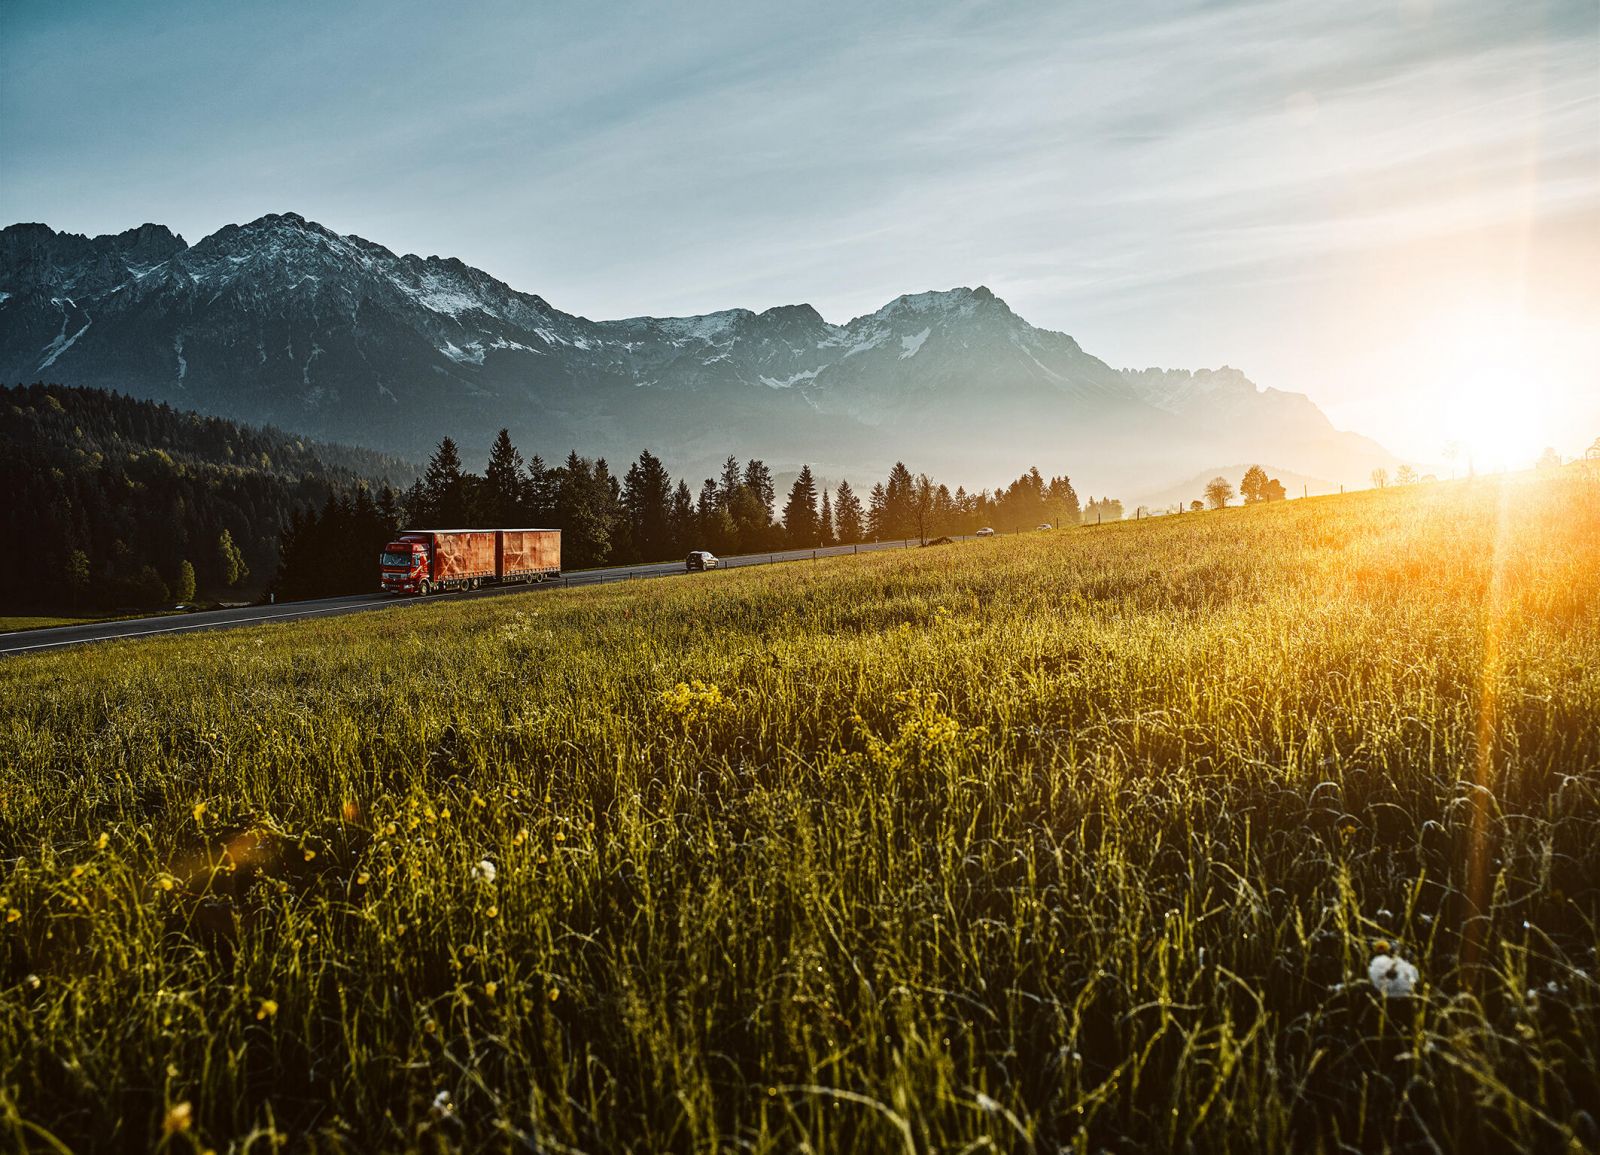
699 560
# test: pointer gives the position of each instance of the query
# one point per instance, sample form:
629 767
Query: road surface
57 637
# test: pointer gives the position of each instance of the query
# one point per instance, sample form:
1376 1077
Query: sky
1393 207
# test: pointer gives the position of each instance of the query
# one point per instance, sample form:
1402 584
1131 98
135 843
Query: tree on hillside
1380 477
1405 475
1102 509
1219 491
1253 486
231 566
504 486
1549 459
1273 490
1196 506
801 525
183 588
1063 501
847 515
825 521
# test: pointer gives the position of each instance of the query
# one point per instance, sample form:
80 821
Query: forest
645 515
120 503
113 502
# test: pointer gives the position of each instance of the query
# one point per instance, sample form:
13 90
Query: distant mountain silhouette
284 321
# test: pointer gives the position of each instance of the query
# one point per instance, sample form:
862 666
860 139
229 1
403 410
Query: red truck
425 561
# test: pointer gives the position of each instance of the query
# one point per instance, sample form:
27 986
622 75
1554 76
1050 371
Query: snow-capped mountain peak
284 320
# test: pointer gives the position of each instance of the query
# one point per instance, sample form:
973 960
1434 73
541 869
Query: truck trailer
425 561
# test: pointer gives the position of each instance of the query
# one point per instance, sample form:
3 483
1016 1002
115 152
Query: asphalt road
57 637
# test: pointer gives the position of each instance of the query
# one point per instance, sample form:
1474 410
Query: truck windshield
392 557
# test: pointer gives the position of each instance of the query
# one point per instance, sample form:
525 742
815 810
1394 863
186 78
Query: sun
1487 378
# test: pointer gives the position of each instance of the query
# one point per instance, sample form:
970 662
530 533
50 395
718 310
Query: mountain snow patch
807 375
471 355
911 344
61 344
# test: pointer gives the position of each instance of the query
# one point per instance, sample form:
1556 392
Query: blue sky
1394 207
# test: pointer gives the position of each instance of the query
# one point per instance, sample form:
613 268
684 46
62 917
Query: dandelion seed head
484 871
1394 977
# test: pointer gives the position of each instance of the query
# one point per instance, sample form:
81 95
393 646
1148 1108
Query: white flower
442 1105
1394 977
484 871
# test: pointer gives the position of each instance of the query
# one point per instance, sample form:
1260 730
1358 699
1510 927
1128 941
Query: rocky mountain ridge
284 321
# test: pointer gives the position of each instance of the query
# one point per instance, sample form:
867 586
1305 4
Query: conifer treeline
644 515
112 502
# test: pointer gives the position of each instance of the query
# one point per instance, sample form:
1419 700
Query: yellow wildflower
180 1117
267 1009
100 843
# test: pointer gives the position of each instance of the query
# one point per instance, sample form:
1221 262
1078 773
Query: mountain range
286 322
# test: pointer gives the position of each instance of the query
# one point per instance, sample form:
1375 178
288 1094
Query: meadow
1081 841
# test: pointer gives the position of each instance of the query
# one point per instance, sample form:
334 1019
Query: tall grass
1076 842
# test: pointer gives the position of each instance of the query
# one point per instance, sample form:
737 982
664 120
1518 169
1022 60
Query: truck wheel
423 588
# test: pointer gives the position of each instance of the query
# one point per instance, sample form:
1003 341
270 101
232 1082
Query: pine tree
681 520
444 488
847 515
582 513
800 523
758 480
731 482
899 515
539 493
183 590
878 513
825 520
504 487
647 498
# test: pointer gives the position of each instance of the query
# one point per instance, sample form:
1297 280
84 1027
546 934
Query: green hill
108 497
1080 841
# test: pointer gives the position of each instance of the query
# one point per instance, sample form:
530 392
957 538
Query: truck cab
405 566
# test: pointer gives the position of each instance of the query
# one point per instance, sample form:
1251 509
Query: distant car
700 560
1045 525
985 532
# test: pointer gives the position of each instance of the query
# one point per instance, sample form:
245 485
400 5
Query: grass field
1079 841
38 622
